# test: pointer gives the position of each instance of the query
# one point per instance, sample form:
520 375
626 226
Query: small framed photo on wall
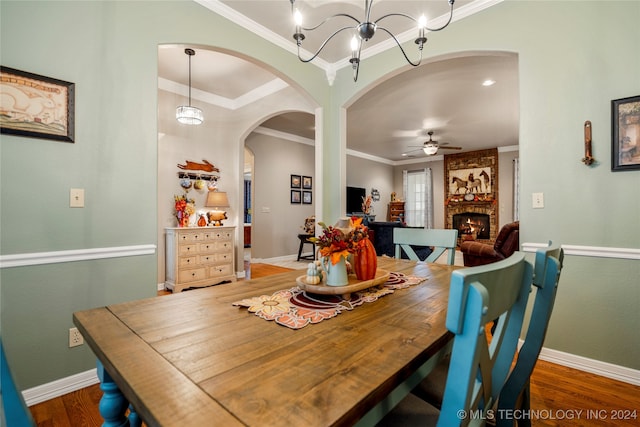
295 196
307 182
625 138
296 181
307 197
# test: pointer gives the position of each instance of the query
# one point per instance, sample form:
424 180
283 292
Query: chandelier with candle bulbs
363 31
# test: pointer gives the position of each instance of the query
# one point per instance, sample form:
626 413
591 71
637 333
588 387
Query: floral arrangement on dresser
185 207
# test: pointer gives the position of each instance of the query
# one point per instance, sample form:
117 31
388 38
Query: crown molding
284 135
258 29
243 100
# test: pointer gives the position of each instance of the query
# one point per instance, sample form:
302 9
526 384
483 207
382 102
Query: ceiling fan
430 147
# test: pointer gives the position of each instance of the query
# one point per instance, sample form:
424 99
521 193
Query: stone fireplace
471 184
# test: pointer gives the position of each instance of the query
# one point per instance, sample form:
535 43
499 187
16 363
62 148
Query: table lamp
216 200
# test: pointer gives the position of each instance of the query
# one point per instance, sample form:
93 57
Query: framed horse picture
471 176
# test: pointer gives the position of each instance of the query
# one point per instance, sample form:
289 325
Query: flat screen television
355 196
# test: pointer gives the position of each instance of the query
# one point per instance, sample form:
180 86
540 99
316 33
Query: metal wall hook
588 158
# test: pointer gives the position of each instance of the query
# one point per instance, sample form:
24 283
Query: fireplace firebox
475 225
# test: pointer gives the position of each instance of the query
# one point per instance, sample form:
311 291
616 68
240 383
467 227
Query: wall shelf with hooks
202 176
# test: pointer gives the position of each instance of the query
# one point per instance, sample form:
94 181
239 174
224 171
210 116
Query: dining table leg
113 405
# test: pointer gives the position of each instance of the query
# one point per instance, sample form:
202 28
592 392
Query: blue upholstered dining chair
14 411
479 363
516 394
439 240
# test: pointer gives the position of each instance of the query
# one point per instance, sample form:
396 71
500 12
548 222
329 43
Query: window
418 198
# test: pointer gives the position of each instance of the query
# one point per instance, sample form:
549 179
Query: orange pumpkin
365 261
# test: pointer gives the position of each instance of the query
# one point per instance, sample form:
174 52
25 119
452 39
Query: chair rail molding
589 251
40 258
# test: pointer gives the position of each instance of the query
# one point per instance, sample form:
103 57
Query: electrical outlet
537 200
76 198
75 337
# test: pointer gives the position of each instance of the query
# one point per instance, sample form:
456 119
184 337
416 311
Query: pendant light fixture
189 115
363 30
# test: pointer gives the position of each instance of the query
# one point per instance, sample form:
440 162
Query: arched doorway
234 94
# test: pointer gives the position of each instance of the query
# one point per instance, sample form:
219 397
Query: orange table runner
295 308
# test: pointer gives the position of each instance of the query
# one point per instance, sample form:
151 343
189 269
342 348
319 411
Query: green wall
574 58
109 50
570 70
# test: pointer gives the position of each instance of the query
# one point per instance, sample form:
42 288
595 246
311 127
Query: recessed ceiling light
488 82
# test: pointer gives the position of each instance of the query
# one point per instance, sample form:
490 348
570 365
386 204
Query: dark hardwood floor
560 396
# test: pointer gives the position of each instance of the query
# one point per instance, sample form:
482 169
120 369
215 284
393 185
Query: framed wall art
296 181
625 130
307 182
306 197
36 106
295 196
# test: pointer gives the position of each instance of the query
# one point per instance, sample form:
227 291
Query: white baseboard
604 369
274 260
60 387
608 370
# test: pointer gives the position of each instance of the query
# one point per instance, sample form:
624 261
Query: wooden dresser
396 212
199 256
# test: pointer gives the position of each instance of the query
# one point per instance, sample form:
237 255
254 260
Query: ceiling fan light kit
186 114
431 147
363 31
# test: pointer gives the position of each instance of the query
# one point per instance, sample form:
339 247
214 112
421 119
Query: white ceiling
444 96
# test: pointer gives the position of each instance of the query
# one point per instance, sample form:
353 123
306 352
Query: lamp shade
189 115
217 199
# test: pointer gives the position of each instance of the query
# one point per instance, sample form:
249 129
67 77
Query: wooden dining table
195 359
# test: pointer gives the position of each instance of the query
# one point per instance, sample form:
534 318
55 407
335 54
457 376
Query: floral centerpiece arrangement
348 237
184 209
340 240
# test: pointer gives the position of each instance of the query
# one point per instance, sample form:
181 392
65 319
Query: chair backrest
508 239
478 369
548 265
439 240
14 410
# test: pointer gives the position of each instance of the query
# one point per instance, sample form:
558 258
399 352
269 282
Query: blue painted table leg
113 403
134 418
